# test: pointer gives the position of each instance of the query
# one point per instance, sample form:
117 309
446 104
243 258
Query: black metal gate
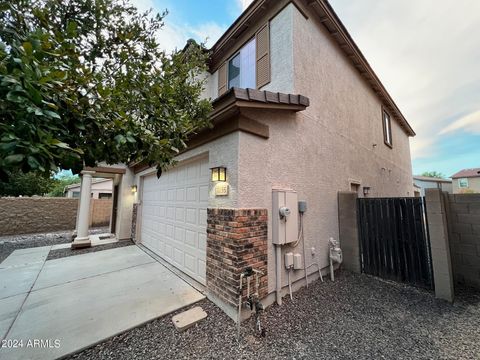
394 240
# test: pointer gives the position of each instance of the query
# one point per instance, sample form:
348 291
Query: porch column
82 240
75 232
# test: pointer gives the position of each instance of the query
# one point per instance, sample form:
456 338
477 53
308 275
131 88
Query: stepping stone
188 318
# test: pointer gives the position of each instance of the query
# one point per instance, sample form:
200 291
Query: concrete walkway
56 307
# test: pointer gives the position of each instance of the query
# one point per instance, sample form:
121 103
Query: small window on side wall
387 129
463 183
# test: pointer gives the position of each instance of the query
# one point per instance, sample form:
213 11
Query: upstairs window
387 129
249 67
241 68
463 183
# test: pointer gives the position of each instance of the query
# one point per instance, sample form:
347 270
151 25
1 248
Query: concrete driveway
52 308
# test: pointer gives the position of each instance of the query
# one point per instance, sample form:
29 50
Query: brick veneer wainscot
236 239
133 229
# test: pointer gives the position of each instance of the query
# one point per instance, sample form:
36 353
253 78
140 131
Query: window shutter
263 55
222 79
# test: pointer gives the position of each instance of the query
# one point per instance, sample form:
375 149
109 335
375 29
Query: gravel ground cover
61 253
15 242
355 317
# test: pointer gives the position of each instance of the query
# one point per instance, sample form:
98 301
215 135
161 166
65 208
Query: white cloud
426 53
469 123
209 32
243 4
174 35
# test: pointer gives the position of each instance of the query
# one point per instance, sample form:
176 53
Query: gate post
439 243
348 230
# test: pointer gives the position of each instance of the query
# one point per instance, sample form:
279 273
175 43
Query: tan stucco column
82 239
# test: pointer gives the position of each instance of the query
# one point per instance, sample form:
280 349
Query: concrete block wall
30 215
100 212
36 215
464 228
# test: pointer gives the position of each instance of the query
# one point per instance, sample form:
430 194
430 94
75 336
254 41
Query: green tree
86 81
60 182
20 184
433 174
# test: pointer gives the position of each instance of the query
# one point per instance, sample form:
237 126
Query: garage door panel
203 193
192 194
190 262
191 216
191 238
201 267
180 214
202 242
202 217
174 216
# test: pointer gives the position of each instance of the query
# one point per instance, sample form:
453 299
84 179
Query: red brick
236 239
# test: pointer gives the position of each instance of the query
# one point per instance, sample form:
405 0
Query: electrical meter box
284 216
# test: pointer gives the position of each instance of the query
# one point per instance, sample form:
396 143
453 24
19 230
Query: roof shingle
467 173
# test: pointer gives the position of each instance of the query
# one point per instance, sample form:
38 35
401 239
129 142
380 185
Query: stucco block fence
41 215
463 215
454 225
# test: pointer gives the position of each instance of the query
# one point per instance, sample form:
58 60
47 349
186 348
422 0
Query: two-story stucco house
299 115
466 181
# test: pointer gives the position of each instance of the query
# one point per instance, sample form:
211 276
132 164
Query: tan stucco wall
318 152
97 189
473 186
220 152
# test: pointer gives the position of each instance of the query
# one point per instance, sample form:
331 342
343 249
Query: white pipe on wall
278 253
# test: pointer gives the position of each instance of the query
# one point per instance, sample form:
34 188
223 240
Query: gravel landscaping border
355 317
61 253
8 244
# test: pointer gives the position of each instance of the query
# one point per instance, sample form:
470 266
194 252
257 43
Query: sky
425 52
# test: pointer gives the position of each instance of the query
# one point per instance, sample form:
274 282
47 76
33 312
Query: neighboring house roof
73 186
467 173
337 30
431 179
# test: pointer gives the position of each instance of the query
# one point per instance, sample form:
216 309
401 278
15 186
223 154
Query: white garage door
174 216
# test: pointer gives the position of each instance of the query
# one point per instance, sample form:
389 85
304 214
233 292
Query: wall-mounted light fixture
366 190
219 173
134 188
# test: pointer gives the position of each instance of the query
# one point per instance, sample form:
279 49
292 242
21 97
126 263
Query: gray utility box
284 216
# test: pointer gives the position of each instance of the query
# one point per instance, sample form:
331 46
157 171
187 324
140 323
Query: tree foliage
86 81
434 174
60 182
30 184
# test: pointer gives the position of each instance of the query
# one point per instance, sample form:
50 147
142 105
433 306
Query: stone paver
188 318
